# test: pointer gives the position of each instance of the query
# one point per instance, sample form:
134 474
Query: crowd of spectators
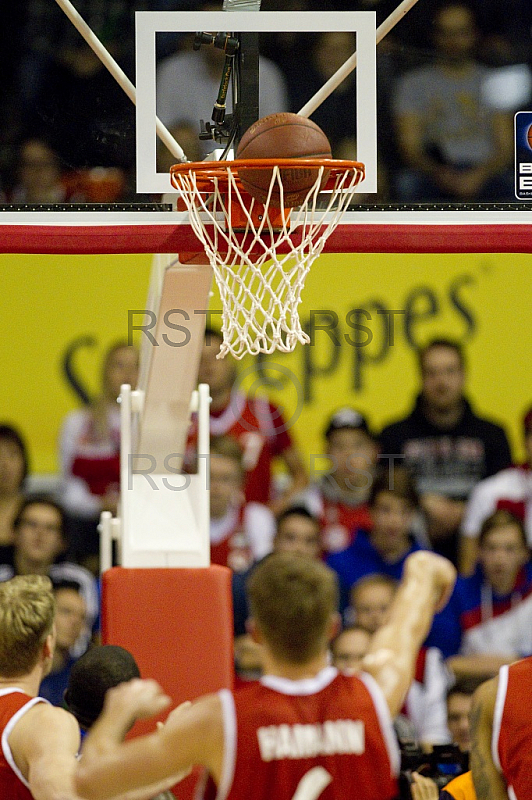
450 77
442 478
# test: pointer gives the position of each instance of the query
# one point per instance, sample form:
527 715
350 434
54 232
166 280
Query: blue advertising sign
523 155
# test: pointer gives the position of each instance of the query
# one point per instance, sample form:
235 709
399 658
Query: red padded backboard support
178 623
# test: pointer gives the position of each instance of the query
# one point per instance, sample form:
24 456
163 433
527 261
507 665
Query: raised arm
489 783
109 766
427 583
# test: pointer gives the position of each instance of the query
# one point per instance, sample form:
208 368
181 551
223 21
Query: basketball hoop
261 254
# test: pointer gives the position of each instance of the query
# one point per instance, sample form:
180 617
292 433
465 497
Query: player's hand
431 566
176 712
423 788
136 699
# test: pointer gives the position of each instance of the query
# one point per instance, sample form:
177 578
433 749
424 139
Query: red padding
87 239
178 623
348 238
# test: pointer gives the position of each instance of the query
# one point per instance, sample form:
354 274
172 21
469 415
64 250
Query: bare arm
483 665
298 473
467 554
44 743
410 131
489 783
427 583
110 766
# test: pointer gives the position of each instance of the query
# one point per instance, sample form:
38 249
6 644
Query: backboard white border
148 23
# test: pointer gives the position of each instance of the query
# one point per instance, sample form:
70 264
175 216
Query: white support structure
164 515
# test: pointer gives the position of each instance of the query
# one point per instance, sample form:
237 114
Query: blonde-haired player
304 730
39 741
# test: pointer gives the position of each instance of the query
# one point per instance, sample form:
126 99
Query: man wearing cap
339 497
446 446
510 489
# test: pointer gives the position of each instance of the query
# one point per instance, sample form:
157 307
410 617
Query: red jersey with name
13 704
259 428
512 728
324 738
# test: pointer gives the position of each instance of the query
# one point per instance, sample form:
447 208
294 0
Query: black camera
444 763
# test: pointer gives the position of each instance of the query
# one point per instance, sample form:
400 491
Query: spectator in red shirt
254 422
240 532
339 497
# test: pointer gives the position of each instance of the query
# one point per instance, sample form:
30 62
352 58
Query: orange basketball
529 137
283 135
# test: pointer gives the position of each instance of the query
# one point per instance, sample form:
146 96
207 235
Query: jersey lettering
342 736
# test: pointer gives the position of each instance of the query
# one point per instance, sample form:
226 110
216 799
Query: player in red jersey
501 725
305 730
39 741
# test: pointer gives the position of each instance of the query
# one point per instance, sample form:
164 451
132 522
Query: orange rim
208 171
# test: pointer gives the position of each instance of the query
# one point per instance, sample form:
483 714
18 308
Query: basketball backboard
140 223
361 24
394 214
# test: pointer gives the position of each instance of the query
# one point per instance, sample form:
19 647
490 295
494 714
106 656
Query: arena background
56 305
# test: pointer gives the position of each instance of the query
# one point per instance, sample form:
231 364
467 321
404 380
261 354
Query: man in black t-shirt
446 446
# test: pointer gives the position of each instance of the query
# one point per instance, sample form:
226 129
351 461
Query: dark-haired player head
98 670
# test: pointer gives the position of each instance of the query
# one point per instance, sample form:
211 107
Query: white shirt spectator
187 91
425 703
510 489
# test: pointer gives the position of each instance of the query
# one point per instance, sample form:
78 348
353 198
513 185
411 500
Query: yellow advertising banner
365 314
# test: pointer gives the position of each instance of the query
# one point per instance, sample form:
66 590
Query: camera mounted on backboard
221 127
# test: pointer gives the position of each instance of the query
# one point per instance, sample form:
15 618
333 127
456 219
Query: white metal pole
346 68
118 73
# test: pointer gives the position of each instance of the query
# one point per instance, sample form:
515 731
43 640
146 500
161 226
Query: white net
261 262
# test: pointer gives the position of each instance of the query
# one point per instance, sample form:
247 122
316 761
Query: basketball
283 135
529 136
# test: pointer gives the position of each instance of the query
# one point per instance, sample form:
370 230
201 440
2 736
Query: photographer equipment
444 763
